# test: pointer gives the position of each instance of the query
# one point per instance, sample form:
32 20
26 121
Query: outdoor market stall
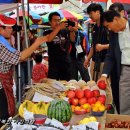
59 90
76 115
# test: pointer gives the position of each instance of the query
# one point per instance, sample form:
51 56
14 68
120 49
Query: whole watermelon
60 110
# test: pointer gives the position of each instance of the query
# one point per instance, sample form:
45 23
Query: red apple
88 93
102 99
102 85
74 101
109 106
70 101
79 93
96 93
82 101
92 100
103 96
71 94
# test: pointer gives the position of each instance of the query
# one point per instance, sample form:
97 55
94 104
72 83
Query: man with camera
58 48
78 51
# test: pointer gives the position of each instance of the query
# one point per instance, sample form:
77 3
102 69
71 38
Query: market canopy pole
19 66
26 40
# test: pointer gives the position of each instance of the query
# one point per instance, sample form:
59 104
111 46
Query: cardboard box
111 117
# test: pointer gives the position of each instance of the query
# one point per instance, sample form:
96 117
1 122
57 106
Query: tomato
79 93
71 94
96 93
102 99
102 85
82 101
92 100
74 101
88 93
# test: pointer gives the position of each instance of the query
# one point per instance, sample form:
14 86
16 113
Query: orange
98 104
86 106
102 108
89 109
95 109
77 108
72 108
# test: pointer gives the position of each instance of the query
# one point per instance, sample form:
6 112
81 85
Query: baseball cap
6 21
45 54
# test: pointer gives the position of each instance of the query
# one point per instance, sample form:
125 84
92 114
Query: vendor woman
9 57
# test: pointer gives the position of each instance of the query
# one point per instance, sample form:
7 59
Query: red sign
121 1
45 1
86 1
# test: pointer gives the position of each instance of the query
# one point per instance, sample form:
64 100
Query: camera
17 28
70 23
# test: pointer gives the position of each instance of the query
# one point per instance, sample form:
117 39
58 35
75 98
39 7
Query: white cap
45 54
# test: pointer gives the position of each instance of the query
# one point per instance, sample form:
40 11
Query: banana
46 108
39 108
21 110
28 105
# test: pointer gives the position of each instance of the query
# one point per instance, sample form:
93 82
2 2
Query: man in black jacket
118 58
114 79
100 42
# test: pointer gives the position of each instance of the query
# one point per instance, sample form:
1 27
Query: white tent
7 7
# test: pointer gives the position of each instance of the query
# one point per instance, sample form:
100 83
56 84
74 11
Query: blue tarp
7 1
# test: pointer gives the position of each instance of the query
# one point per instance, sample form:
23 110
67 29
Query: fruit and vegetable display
35 108
87 120
87 100
60 110
87 123
50 88
102 85
118 124
71 98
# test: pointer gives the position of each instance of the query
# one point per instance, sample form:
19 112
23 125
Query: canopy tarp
46 1
35 1
7 1
7 7
121 1
86 1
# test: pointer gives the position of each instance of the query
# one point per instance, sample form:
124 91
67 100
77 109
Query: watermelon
60 110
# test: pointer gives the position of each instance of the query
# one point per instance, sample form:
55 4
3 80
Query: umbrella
122 1
65 14
86 1
34 15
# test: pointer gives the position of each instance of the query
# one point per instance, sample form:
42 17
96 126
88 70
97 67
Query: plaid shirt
7 59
